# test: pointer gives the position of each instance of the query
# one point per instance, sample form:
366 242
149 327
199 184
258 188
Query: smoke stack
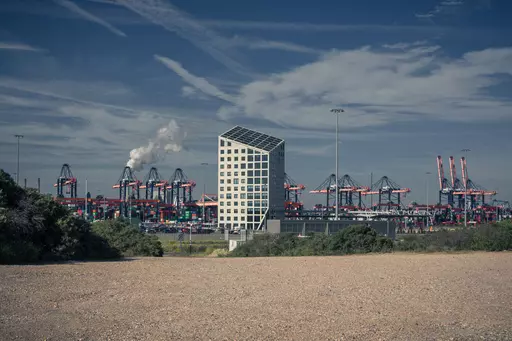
39 185
25 183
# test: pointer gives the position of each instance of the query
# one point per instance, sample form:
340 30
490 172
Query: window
235 211
228 196
242 218
243 181
221 210
221 166
242 188
249 203
242 196
243 173
250 188
264 195
222 159
257 158
235 189
242 210
229 144
221 188
235 181
228 203
222 181
257 165
229 166
235 218
222 203
229 151
264 203
235 165
235 195
236 173
264 165
221 173
243 158
222 196
236 158
256 203
250 211
229 173
250 181
250 173
229 181
242 203
257 181
264 158
243 151
264 172
250 151
264 181
256 188
236 151
222 143
250 158
250 196
257 196
222 151
264 187
229 189
228 218
228 210
257 173
242 165
249 165
235 203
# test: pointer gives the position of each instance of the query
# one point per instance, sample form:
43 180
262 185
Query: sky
86 82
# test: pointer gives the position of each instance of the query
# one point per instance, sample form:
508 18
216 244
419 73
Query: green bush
33 227
354 239
488 237
128 240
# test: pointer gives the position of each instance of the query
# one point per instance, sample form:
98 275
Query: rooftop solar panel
252 138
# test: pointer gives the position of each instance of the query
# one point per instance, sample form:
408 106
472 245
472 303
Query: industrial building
251 174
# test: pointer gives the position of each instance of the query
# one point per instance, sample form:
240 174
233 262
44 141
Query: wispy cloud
172 19
197 82
89 16
19 47
379 87
260 44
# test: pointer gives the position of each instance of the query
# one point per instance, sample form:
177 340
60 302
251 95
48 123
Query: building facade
250 178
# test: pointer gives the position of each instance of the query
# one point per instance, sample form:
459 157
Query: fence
385 228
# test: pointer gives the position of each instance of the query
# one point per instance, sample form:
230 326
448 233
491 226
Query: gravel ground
371 297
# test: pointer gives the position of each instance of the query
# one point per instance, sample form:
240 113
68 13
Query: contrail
179 22
89 16
197 82
19 47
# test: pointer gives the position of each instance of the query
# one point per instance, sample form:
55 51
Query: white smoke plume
168 139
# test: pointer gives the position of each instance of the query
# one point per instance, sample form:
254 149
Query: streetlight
465 175
19 137
427 173
337 112
204 192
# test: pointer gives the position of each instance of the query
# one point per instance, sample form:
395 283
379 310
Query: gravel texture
370 297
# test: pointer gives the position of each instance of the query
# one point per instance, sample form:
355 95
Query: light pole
428 216
19 137
337 112
465 175
204 192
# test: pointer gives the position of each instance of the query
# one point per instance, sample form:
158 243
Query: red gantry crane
389 193
66 183
292 193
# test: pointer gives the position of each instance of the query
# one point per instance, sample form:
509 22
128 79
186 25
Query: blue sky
88 81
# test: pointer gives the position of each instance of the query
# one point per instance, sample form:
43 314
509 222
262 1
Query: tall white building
251 178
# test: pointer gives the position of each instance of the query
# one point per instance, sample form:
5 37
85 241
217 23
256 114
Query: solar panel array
252 138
